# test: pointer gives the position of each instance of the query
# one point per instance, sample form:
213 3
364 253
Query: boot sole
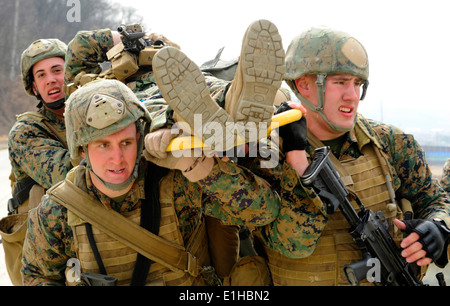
184 88
262 63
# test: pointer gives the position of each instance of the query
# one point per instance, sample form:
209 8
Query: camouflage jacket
86 52
297 229
36 152
230 193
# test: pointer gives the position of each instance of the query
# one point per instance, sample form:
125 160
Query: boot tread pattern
263 68
184 88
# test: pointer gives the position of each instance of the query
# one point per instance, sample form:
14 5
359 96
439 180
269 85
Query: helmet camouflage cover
38 51
326 51
99 109
323 51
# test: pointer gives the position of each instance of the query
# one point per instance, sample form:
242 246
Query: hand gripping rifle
368 229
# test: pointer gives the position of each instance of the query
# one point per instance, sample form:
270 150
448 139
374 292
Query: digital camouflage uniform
35 151
229 192
445 180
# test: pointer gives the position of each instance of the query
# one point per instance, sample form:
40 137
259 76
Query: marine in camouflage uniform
369 155
36 144
226 191
445 180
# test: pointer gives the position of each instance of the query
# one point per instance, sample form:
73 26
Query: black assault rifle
368 229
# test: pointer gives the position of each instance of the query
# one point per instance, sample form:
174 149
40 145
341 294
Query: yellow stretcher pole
192 142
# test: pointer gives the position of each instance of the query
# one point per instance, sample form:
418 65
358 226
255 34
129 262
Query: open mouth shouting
54 93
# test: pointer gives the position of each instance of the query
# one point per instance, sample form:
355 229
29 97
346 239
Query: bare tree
38 19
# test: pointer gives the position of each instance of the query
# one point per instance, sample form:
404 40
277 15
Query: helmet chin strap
320 82
55 105
52 105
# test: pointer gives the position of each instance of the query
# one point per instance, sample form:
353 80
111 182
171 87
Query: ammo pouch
13 229
249 271
124 64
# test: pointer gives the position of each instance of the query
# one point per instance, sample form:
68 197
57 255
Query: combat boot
258 76
184 88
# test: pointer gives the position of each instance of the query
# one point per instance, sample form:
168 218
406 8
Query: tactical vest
119 260
366 176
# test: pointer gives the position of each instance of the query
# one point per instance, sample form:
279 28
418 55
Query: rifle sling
150 219
94 248
168 254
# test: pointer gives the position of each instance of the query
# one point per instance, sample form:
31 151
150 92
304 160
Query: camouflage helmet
99 109
324 50
37 51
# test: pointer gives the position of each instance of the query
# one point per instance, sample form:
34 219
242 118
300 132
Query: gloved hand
156 36
433 235
293 134
157 142
193 168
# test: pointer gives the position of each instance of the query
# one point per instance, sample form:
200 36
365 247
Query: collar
364 134
131 201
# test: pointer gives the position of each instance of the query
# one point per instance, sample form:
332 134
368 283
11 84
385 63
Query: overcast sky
407 43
